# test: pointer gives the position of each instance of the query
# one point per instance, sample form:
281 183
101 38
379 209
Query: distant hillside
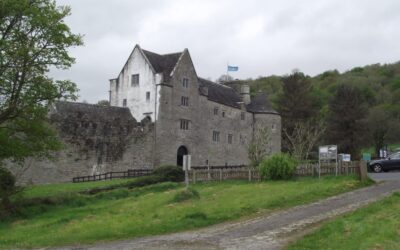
380 85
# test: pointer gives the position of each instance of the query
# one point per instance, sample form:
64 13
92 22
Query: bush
278 167
185 195
144 181
7 189
170 173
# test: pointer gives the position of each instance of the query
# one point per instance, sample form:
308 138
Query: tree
33 39
346 120
103 103
259 147
7 189
304 136
296 104
224 78
381 127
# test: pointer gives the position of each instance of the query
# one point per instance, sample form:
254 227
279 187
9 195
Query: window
215 111
395 156
185 82
147 96
223 113
242 140
273 127
242 116
184 124
117 84
135 79
184 101
124 103
215 136
230 138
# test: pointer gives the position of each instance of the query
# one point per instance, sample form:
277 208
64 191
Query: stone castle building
160 110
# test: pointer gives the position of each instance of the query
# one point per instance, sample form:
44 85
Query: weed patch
186 194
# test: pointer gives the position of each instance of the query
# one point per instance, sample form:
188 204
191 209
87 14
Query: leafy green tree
103 103
33 39
346 120
382 127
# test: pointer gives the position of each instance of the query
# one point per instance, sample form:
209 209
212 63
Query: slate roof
162 63
229 96
220 93
260 104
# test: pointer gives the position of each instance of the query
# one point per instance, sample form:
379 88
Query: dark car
392 162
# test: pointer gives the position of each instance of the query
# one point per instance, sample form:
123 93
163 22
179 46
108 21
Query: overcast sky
261 37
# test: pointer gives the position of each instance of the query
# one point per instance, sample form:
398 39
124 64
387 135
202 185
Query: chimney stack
245 93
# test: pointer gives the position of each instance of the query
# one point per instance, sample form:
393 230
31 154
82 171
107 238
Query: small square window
230 138
185 101
134 79
185 82
124 103
242 140
215 136
147 96
223 113
184 124
215 111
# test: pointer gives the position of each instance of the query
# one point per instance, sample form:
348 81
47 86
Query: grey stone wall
273 122
96 140
200 112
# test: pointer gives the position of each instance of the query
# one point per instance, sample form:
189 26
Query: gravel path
265 232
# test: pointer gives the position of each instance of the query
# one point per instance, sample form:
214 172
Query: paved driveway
271 231
385 176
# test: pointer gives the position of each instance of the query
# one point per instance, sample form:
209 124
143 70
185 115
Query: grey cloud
261 37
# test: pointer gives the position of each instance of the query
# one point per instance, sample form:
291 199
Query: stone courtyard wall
96 139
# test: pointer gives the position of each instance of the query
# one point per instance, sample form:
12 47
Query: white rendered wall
136 94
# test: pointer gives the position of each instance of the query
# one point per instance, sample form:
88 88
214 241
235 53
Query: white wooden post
186 168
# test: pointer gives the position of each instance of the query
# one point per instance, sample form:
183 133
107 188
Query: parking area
385 176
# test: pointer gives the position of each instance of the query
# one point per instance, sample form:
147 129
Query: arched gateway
182 150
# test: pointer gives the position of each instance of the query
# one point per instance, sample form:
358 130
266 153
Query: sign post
186 167
327 153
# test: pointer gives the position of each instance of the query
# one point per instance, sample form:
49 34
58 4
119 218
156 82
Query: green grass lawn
376 226
126 213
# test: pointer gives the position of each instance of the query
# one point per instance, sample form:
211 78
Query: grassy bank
376 226
126 213
63 188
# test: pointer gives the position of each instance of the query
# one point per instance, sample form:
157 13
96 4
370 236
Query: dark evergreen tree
346 120
296 104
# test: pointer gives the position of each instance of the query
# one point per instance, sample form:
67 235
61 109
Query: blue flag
233 68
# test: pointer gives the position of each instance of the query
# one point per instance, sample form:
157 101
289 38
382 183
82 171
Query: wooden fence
244 173
344 168
132 173
220 173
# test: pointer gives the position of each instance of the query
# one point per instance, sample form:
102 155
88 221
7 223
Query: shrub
144 181
170 173
278 167
185 195
7 189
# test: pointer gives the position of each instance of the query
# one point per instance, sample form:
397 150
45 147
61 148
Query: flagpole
227 72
